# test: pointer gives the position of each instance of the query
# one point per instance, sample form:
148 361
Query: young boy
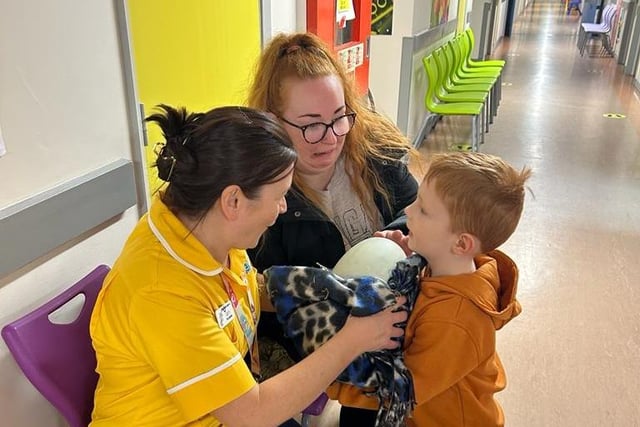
468 204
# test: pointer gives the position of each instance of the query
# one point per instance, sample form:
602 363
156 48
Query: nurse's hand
378 331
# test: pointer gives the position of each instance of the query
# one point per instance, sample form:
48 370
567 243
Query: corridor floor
573 356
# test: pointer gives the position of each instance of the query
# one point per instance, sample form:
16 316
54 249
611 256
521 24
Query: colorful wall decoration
439 12
382 17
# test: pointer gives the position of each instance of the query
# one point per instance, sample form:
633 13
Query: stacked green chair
454 78
471 109
474 76
477 92
496 64
457 95
470 40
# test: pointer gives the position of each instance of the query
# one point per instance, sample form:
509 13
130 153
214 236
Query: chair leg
474 133
579 42
607 44
305 421
483 130
584 43
499 91
494 102
487 111
580 37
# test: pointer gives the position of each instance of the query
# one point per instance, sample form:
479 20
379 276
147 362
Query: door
344 25
193 53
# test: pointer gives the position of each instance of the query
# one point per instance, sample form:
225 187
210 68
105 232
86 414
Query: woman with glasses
350 180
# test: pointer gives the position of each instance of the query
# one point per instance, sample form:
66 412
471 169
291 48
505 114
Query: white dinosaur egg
375 256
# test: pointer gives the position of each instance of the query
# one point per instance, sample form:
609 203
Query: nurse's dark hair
203 153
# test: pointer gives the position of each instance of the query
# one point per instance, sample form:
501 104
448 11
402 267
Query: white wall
61 108
283 16
500 23
410 17
421 13
62 113
386 51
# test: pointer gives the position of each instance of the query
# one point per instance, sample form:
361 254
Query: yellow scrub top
163 358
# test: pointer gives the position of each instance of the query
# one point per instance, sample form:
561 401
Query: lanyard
249 333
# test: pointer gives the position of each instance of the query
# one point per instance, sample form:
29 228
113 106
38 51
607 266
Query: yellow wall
462 16
194 53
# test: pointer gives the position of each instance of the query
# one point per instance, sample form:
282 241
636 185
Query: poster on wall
344 12
382 17
439 12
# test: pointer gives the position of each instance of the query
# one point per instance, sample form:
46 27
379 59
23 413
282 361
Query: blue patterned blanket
313 305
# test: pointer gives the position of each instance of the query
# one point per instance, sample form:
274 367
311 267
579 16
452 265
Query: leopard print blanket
313 305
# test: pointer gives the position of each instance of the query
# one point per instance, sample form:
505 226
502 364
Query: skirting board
33 227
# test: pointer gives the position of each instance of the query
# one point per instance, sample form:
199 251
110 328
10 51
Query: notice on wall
344 12
382 17
3 150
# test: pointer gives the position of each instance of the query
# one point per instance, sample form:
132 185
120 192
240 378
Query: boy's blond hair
305 56
483 194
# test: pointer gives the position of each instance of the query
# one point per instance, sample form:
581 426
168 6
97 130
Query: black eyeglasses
315 132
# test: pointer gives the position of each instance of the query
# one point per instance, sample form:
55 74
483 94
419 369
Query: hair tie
286 50
245 115
159 149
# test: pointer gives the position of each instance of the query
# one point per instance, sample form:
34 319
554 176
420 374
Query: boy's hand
398 237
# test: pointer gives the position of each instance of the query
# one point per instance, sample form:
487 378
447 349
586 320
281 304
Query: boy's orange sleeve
352 396
444 351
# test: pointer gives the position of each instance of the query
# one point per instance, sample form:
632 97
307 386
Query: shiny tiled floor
573 355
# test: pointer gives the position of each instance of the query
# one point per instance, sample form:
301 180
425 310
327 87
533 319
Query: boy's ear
467 244
230 201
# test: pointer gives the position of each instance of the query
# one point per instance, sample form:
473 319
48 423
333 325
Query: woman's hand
398 237
378 331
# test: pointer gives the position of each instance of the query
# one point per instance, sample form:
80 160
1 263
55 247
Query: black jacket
305 236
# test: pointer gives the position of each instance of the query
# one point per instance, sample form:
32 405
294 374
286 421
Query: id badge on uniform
248 331
252 342
224 314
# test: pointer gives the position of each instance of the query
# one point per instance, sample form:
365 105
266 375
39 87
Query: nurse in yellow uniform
178 312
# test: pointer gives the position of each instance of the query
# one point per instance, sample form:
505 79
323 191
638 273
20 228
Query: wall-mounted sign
344 12
439 12
352 57
382 17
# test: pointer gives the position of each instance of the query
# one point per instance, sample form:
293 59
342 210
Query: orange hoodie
450 346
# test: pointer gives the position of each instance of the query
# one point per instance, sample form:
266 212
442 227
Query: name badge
224 314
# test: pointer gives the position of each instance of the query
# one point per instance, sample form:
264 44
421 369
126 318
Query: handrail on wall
33 227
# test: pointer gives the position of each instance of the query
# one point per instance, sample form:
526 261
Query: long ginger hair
305 56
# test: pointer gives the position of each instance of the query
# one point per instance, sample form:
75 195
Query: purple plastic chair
57 356
316 408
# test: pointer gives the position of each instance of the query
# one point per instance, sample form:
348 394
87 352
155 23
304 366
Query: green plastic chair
474 76
477 72
495 64
472 109
456 76
452 79
460 93
470 40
